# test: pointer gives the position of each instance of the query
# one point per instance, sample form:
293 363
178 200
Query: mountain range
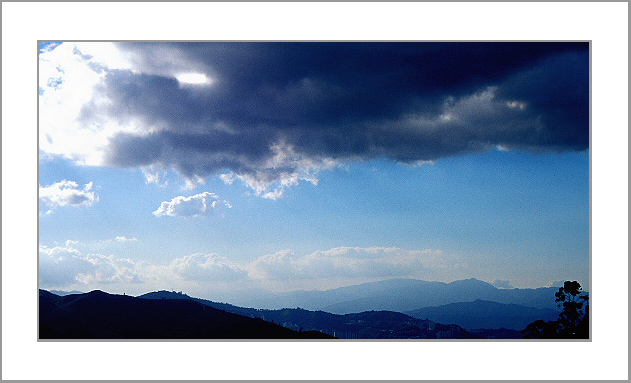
403 295
392 309
365 325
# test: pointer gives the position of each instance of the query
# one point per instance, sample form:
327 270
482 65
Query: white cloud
66 192
74 264
65 265
153 176
227 178
198 205
348 262
284 169
206 267
191 182
45 213
421 163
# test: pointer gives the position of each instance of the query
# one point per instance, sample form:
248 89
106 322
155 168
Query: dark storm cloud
277 108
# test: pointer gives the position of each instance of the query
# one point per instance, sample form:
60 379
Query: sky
215 168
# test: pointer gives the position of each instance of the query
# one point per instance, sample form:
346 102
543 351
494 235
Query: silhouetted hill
365 325
404 295
481 319
481 314
163 294
98 315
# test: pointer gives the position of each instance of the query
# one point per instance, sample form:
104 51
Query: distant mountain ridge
481 314
475 315
403 295
62 293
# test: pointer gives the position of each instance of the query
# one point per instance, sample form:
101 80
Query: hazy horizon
214 168
497 284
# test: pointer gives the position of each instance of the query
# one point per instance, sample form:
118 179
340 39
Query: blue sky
212 168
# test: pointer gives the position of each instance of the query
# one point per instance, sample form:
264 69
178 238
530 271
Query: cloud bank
66 265
206 267
71 264
347 262
273 114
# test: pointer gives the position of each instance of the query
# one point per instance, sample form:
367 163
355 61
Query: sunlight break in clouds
202 204
68 76
193 79
66 192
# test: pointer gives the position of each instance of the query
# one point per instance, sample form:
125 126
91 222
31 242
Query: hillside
365 325
98 315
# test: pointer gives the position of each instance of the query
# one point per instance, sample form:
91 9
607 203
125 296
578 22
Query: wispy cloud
122 238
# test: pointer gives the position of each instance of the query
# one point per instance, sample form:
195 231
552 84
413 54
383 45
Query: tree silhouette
541 330
573 321
575 304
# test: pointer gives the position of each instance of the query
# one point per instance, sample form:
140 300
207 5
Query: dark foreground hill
98 315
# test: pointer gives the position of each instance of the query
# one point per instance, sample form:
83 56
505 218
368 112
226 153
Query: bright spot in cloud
516 104
192 79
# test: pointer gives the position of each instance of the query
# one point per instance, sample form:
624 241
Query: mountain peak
98 292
